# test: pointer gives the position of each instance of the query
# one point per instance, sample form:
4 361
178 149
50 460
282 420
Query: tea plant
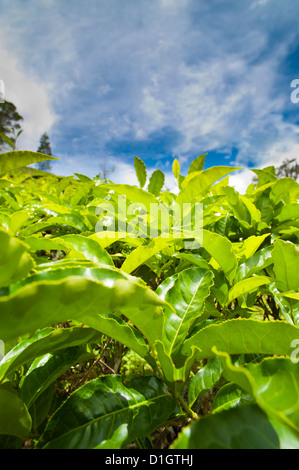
113 339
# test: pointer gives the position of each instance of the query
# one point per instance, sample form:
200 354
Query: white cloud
29 95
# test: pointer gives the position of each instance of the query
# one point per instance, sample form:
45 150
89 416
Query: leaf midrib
113 414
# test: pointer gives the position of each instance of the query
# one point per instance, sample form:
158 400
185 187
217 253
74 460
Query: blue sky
160 79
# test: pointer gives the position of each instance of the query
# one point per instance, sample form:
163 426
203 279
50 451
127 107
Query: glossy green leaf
45 341
242 336
229 396
46 369
205 379
247 285
79 298
257 262
93 413
273 383
86 248
186 292
245 427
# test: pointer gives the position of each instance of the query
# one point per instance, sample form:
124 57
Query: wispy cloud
159 79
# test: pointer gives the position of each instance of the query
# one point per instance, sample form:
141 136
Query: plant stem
186 407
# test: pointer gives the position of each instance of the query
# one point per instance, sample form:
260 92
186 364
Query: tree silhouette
45 148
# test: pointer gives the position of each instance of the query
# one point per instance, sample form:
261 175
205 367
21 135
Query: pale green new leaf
197 164
285 256
156 182
246 285
85 248
201 183
10 161
221 249
140 170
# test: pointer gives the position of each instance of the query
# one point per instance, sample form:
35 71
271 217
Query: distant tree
289 168
10 127
105 171
45 148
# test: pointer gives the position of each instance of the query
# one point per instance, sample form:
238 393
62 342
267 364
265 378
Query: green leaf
83 178
221 249
265 176
42 243
45 341
205 379
17 220
132 193
85 248
140 170
46 369
245 286
6 139
156 182
285 256
274 384
17 159
40 304
286 189
92 415
260 260
199 185
230 396
198 163
175 377
65 220
15 261
249 246
242 336
176 168
186 292
15 419
118 329
245 427
143 253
